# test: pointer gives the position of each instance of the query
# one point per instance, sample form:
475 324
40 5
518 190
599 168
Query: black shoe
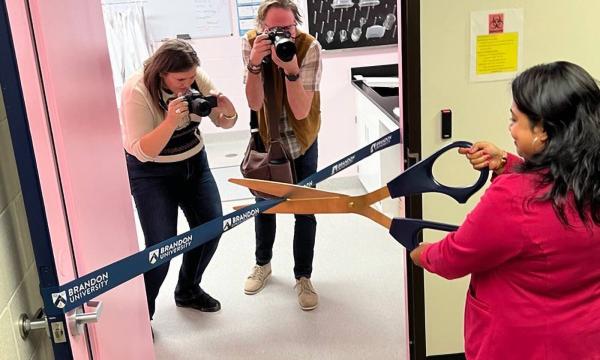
201 301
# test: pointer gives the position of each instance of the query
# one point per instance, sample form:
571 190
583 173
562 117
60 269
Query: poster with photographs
345 24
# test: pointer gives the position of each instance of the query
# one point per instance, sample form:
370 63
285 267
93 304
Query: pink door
65 75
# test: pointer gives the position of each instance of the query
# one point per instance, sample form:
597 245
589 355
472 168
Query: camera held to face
284 46
199 104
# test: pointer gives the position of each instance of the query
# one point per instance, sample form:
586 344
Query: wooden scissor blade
283 190
237 207
336 204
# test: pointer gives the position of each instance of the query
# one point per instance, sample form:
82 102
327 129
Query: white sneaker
257 280
307 295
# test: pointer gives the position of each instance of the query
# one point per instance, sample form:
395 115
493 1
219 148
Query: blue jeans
305 226
158 190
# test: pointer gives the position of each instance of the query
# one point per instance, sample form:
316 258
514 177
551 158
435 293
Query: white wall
19 284
557 30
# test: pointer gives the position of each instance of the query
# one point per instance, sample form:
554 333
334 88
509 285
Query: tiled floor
358 273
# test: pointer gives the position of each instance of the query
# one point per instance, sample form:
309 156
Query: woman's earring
534 140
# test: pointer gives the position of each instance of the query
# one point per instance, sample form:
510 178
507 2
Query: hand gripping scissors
417 179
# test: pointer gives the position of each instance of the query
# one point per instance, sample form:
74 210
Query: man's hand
260 49
290 67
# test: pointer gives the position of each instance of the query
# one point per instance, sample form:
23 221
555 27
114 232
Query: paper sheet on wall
496 44
196 18
247 10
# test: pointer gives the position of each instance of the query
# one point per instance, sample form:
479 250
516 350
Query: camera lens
285 48
200 107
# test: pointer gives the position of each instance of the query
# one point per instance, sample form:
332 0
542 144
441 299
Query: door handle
79 319
26 325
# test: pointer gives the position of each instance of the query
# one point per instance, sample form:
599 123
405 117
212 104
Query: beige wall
19 285
553 30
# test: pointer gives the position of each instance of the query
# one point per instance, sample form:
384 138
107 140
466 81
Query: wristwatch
292 77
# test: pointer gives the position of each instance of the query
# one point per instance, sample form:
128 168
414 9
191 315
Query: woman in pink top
532 244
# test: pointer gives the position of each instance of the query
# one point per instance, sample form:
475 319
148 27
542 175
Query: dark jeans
158 190
305 226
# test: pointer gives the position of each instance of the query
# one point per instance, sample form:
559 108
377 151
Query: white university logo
381 143
59 299
227 224
153 256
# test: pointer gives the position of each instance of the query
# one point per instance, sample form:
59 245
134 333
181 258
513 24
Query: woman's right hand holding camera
155 141
177 111
483 155
260 49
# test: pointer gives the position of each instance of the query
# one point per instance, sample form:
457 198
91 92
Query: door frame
411 109
411 94
29 180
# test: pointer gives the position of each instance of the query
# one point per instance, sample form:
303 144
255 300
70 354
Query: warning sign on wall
496 44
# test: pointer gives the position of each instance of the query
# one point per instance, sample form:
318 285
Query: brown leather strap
273 110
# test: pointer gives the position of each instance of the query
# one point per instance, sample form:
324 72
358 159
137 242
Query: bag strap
270 100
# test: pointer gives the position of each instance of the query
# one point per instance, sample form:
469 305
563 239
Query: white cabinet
381 167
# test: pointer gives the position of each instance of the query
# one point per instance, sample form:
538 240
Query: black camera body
199 104
284 46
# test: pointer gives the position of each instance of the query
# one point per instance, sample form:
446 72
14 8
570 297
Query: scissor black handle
419 178
405 231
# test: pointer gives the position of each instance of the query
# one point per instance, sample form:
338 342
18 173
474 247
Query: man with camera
282 78
167 164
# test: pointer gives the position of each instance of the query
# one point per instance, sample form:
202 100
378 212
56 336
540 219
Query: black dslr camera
284 46
199 104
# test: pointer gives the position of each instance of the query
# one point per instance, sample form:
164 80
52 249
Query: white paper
481 25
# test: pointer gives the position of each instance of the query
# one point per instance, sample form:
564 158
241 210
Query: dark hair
172 56
565 100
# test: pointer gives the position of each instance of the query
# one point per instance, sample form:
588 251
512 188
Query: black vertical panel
411 93
27 170
348 25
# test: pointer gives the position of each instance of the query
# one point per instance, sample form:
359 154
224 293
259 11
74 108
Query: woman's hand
177 111
483 155
415 255
225 110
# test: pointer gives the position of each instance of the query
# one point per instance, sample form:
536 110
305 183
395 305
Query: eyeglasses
284 28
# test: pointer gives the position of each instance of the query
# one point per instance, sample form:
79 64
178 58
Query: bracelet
232 117
503 161
254 69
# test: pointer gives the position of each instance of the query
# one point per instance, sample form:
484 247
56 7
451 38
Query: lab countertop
384 97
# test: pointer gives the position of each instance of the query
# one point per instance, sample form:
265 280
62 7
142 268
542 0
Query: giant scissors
417 179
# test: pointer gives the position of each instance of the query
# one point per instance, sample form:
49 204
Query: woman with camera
161 109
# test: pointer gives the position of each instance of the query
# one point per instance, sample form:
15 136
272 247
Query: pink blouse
535 284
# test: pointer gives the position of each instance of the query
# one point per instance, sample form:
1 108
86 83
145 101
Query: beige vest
306 130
